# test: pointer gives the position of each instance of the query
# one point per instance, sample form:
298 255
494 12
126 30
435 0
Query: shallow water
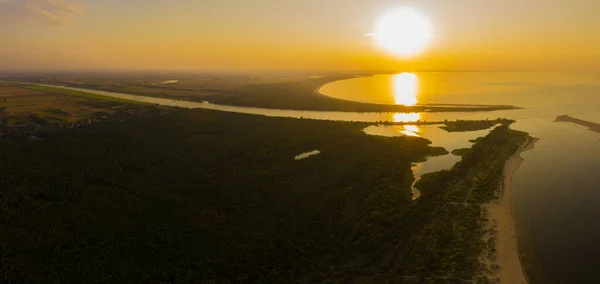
439 137
307 154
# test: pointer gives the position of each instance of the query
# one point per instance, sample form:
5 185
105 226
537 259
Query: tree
2 115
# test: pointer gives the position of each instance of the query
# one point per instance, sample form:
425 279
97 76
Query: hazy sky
293 34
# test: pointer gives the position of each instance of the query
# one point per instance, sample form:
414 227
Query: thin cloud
45 12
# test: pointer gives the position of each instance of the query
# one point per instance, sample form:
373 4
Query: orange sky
294 34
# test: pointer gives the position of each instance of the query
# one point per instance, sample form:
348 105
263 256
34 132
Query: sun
403 32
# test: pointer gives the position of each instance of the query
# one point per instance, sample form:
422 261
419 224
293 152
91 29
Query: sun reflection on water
410 130
406 87
405 92
407 117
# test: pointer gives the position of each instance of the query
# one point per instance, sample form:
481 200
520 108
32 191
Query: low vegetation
476 140
473 125
61 91
461 152
460 194
27 110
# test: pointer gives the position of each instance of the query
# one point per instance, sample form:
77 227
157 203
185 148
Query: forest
473 125
207 196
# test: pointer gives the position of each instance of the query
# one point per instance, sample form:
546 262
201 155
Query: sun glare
406 117
406 87
403 32
410 130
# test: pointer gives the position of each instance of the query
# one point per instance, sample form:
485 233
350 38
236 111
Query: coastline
320 87
501 219
318 91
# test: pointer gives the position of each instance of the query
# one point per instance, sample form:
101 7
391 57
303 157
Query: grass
54 104
56 111
13 121
66 92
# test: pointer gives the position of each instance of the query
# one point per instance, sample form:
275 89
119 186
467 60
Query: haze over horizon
261 34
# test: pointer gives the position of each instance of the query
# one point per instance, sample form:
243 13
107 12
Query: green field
61 91
35 109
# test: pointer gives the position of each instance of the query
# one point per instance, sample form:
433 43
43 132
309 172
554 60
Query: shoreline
502 220
483 107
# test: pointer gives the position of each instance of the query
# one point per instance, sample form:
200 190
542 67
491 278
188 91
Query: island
474 125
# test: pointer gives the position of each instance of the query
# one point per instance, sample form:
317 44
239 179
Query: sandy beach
500 214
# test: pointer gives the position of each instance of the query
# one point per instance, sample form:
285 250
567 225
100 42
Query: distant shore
501 215
441 107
